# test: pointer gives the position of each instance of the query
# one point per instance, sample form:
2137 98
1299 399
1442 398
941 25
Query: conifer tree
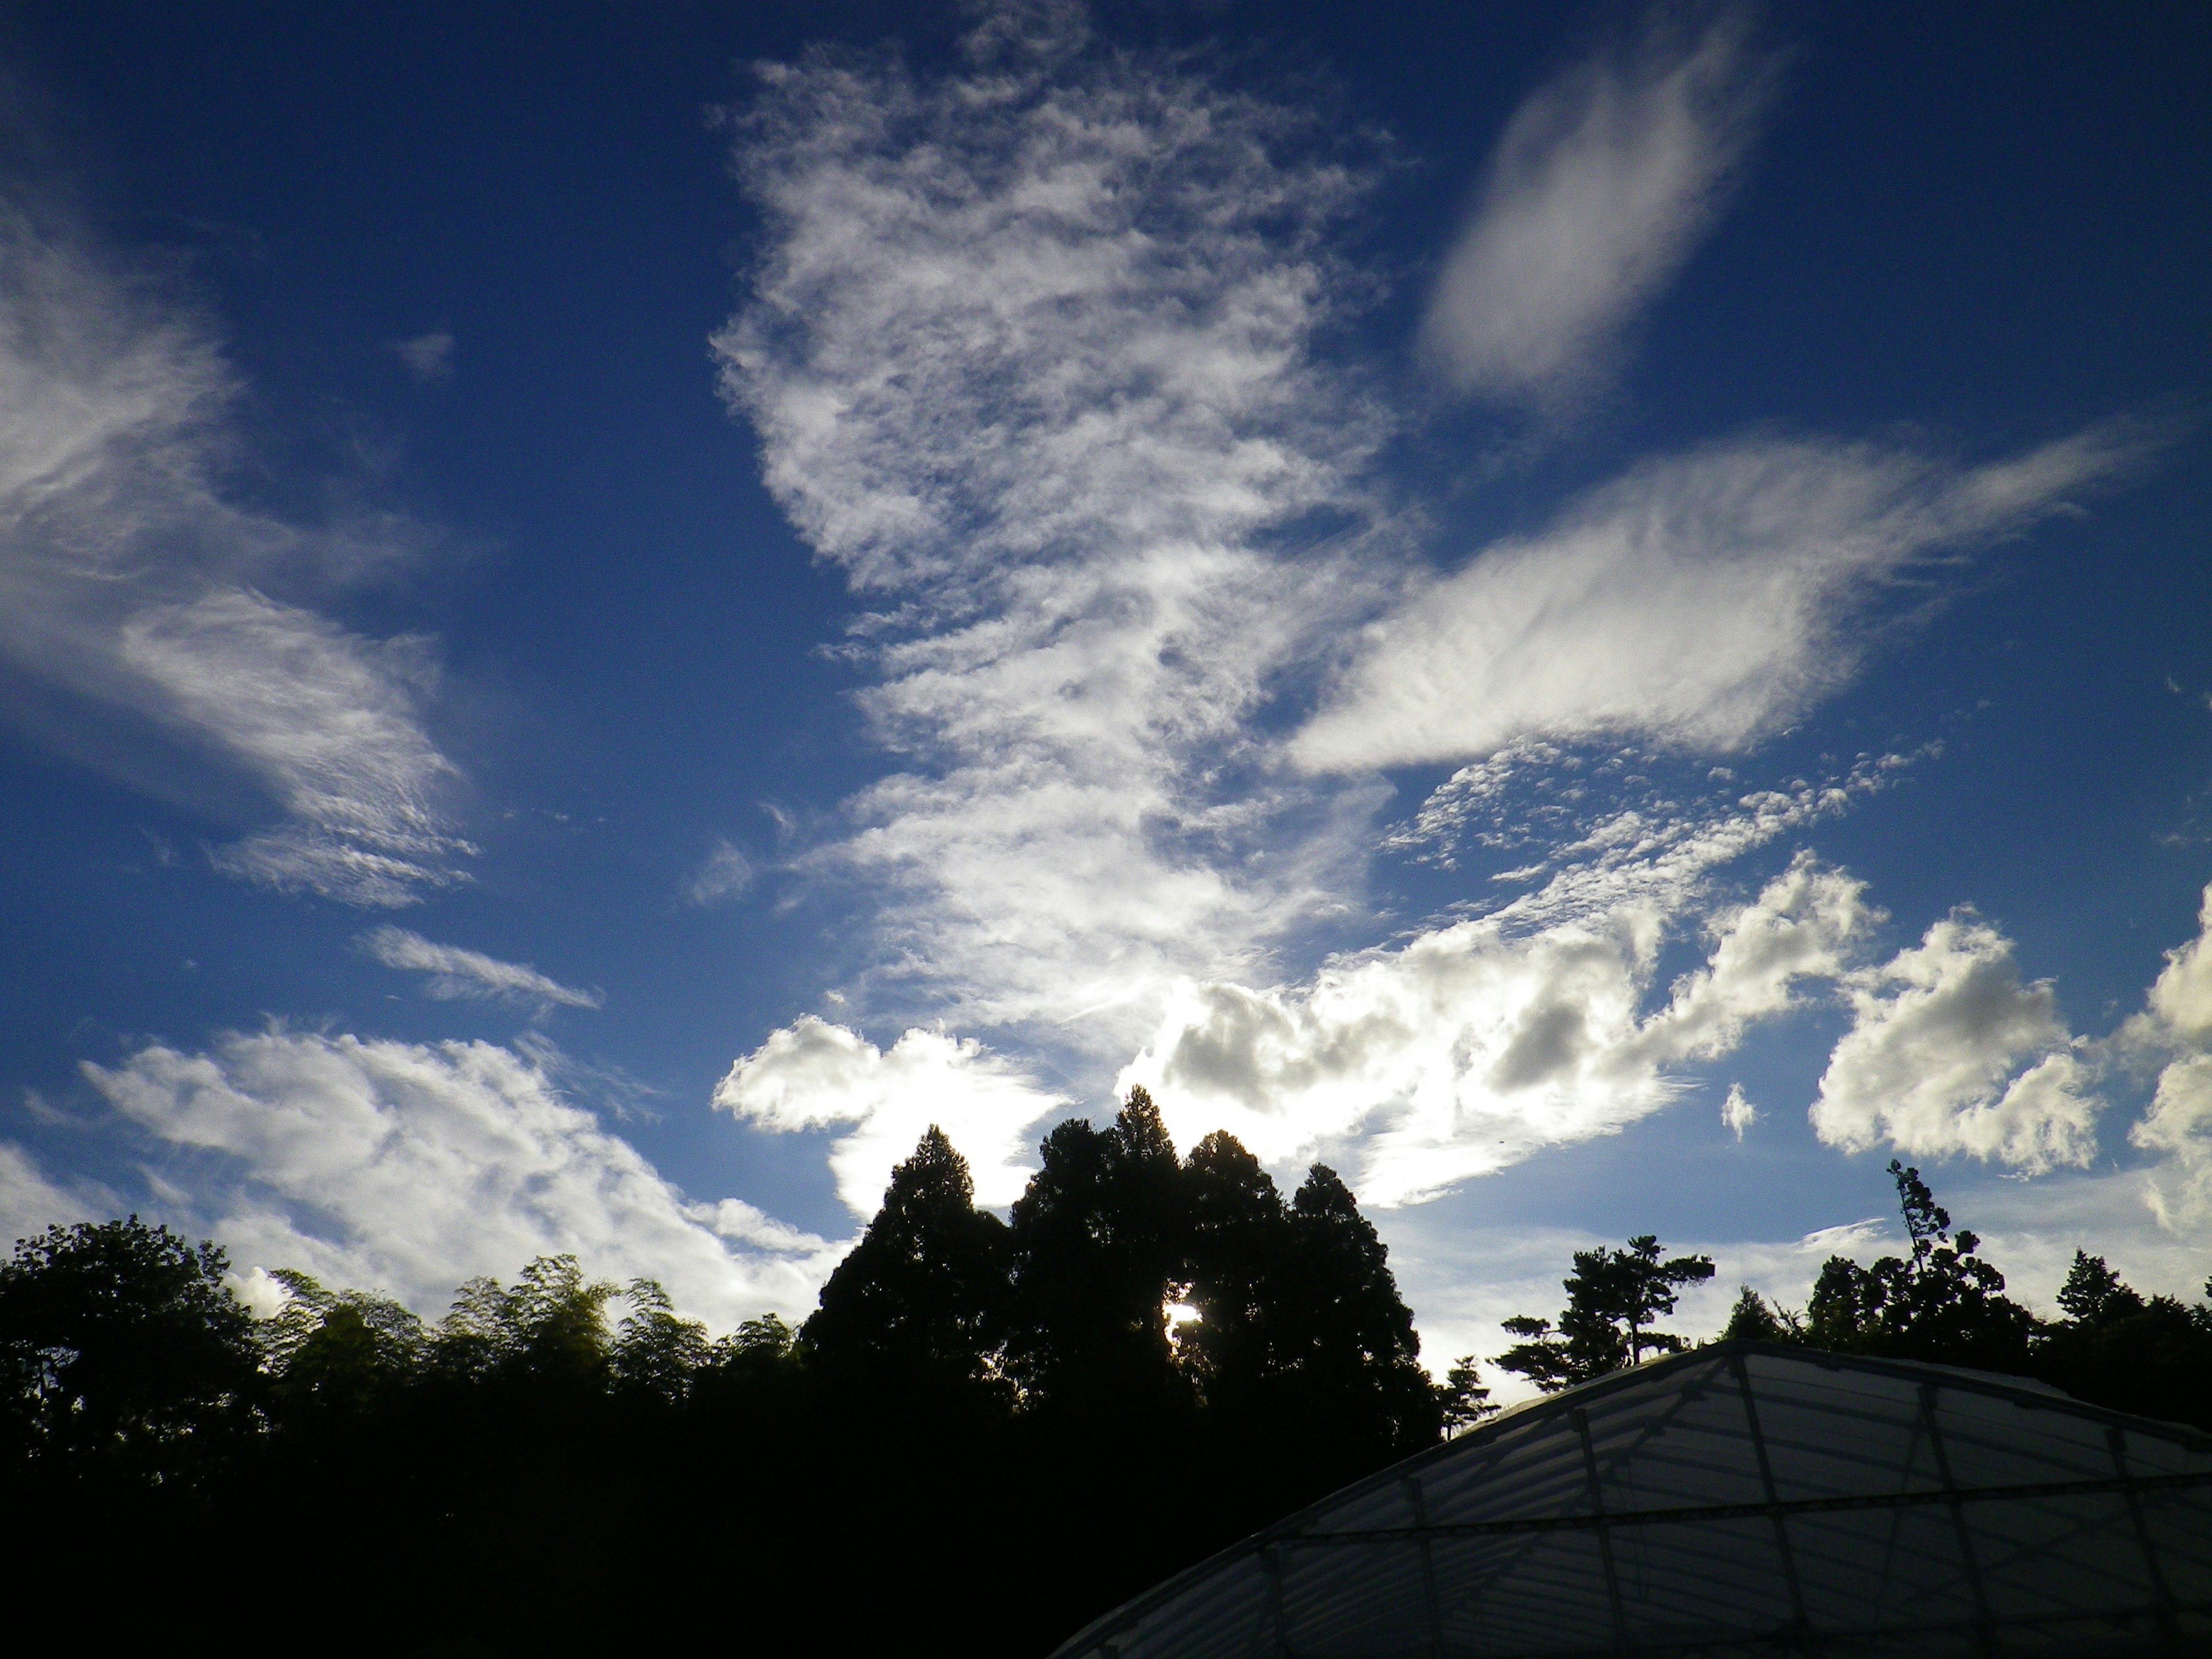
1096 1245
921 1299
1613 1299
1346 1337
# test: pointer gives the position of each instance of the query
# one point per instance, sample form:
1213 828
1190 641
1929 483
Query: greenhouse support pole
2169 1626
1581 1420
1798 1622
1985 1637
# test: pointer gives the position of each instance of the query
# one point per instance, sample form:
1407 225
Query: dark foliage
1613 1299
1945 1304
985 1436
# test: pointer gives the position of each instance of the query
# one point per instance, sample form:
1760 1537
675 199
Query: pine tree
1463 1398
1613 1299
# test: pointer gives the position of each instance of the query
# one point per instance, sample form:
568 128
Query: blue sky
1599 618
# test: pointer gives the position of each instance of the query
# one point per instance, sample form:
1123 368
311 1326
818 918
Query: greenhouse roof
1745 1498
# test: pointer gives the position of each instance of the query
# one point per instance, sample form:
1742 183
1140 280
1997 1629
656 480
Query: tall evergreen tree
920 1300
1346 1340
1237 1232
1097 1244
1942 1303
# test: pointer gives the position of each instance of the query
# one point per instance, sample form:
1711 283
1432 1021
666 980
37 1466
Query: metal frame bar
2168 1625
1888 1500
1580 1418
1797 1618
1985 1638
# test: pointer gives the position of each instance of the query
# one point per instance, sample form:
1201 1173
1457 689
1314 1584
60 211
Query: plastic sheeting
1745 1498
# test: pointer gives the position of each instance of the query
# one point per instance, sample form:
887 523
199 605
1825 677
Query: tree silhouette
1237 1229
124 1353
920 1300
1463 1400
1613 1299
1096 1244
1345 1339
1942 1303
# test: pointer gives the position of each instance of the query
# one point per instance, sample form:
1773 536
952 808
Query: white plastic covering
1743 1498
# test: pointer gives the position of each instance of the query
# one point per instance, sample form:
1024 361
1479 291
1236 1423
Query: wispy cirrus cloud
136 590
1601 185
1039 354
1702 600
455 974
1030 356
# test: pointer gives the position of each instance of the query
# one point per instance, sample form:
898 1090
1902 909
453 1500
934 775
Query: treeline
1942 1302
988 1432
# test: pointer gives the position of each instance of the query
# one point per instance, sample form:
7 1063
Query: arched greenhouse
1744 1499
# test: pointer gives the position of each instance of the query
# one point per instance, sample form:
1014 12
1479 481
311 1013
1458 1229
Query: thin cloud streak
456 974
1702 601
1603 184
133 587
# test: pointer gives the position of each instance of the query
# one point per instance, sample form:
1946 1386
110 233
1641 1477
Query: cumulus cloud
1473 1045
1700 601
456 974
409 1168
2177 1026
1601 185
2178 1127
1030 354
815 1075
1950 1051
135 589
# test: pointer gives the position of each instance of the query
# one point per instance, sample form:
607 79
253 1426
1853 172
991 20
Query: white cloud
1737 1113
131 584
1950 1051
2177 1026
1603 183
408 1168
1029 353
1472 1045
30 1203
428 357
457 974
814 1075
2178 1127
725 875
1800 927
2181 996
1700 601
